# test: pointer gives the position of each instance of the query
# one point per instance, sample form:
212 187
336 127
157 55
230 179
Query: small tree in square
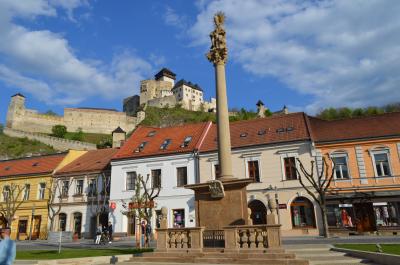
11 201
319 186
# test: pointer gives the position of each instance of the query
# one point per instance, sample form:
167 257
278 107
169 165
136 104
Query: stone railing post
162 242
231 238
196 238
274 236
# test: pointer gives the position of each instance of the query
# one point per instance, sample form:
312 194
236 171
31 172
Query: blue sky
304 54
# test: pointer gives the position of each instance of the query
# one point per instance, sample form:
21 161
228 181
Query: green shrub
59 131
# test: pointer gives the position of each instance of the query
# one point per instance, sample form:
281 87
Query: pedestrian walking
7 248
98 234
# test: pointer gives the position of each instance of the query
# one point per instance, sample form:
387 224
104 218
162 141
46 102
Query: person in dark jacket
110 232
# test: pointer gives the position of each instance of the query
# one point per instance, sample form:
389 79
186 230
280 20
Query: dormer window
7 168
280 130
140 147
289 129
35 164
242 135
165 144
151 134
262 132
187 141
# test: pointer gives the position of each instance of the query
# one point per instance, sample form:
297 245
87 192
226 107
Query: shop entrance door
364 217
37 220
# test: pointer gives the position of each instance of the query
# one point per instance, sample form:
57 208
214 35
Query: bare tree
98 201
54 200
11 201
319 187
142 202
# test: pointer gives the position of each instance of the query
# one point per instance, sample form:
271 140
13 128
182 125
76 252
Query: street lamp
33 214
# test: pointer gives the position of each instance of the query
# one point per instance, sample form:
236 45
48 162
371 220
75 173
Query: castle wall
31 121
169 101
56 143
97 121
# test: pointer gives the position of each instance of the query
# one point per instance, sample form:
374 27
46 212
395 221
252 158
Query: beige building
162 91
266 150
92 120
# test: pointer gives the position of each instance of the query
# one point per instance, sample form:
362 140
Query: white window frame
283 171
385 151
126 179
39 191
76 186
346 156
247 159
27 192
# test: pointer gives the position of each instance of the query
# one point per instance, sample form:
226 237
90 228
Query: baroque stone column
218 55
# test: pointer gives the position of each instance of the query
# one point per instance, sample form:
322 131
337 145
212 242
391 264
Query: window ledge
290 180
343 180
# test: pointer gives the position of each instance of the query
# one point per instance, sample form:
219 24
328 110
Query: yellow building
26 183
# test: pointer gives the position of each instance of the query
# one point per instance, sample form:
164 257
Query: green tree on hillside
342 113
59 131
78 136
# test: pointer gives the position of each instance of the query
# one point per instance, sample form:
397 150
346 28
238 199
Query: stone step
307 246
141 260
221 255
341 262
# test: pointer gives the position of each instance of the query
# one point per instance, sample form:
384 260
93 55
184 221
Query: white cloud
44 64
342 53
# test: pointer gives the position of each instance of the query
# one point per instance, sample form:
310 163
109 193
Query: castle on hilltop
162 91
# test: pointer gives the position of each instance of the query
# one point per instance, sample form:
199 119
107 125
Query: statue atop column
218 52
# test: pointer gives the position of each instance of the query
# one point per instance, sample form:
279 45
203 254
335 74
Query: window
65 188
181 173
130 180
62 221
92 189
179 218
156 178
254 171
165 144
140 147
79 187
27 191
382 164
6 192
290 168
341 169
302 212
42 190
151 134
187 141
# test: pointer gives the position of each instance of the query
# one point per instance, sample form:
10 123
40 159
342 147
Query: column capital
218 53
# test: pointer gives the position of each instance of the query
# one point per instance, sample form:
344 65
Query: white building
169 157
82 193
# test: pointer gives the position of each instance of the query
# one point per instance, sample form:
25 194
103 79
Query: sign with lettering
282 206
216 189
136 205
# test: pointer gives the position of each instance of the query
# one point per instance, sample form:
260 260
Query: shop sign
379 203
113 205
135 205
346 205
283 206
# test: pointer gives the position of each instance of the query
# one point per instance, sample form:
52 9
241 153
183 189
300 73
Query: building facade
364 196
266 150
168 157
27 183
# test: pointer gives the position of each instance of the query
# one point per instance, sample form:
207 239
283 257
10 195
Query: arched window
258 212
302 211
62 222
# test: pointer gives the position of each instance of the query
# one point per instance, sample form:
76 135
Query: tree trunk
325 228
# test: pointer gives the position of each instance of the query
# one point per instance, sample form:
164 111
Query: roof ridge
34 157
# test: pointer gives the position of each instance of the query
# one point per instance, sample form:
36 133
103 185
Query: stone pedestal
216 213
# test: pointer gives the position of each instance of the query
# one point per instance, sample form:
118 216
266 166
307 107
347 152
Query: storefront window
179 218
62 221
386 213
302 211
341 215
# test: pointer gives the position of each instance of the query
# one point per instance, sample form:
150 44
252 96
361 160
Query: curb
380 258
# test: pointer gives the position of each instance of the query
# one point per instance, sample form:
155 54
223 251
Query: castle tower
166 75
118 137
15 109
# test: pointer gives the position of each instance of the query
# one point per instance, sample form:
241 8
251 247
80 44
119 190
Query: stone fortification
89 120
57 143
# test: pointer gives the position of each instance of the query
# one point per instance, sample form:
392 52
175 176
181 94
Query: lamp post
277 203
33 214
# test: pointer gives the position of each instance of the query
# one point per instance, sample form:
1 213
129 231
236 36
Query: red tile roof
31 165
283 128
176 134
356 128
92 161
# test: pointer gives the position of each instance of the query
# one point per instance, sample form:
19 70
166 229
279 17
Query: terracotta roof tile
92 161
283 128
31 165
356 128
154 138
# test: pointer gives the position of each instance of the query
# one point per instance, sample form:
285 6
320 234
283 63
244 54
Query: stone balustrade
237 238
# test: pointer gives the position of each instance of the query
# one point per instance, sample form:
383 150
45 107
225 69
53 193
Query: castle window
165 144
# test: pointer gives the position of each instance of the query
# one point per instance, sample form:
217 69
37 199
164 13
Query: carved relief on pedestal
218 53
216 189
